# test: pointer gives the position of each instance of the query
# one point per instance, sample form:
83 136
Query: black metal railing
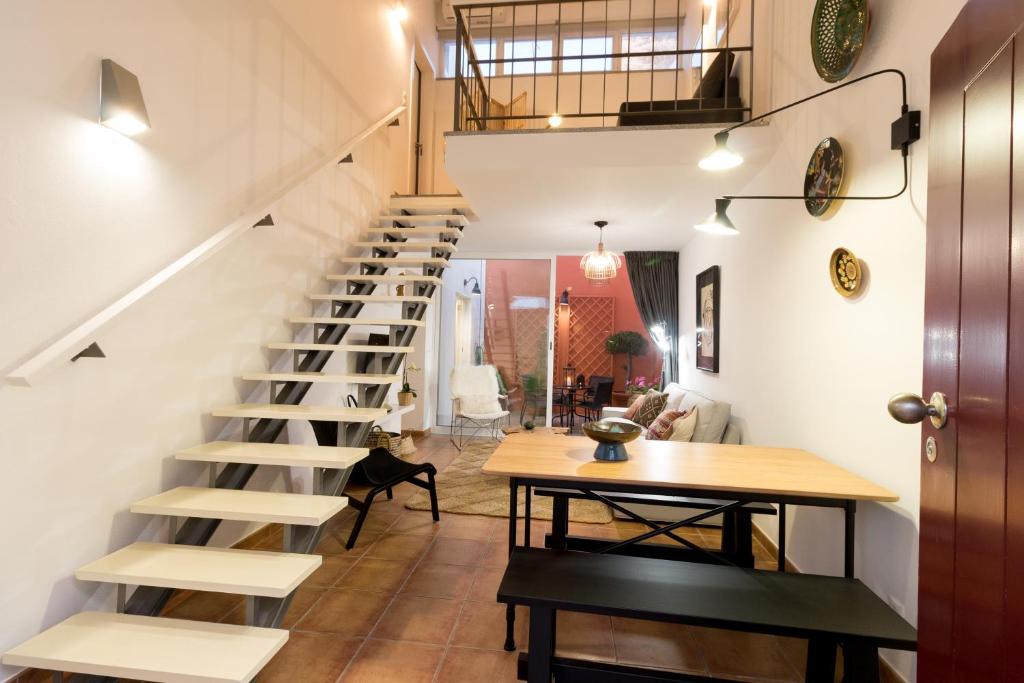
602 63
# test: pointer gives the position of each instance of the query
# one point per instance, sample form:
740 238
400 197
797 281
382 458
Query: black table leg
782 537
542 645
851 536
526 517
860 663
744 543
728 544
510 610
821 661
559 522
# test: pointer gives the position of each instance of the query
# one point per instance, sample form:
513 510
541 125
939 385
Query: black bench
829 612
737 527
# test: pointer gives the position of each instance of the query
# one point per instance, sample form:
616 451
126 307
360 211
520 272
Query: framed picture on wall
708 309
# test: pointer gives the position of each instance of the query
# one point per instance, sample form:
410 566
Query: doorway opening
498 312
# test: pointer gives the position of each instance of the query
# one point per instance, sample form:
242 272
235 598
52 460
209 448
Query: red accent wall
627 316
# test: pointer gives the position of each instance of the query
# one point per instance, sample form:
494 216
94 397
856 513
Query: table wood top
674 464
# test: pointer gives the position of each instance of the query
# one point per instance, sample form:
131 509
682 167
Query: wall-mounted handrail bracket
91 351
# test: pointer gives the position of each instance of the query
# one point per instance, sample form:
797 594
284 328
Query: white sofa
714 425
714 418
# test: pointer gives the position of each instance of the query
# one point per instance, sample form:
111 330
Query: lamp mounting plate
906 130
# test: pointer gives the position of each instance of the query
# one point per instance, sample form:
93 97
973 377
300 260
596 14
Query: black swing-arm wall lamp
905 131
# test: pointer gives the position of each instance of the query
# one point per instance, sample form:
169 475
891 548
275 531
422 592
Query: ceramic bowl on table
611 437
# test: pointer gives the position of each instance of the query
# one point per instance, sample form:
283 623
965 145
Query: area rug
464 490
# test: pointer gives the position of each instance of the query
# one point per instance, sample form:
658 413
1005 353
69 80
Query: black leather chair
380 471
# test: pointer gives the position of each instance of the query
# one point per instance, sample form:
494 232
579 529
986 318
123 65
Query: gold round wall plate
846 272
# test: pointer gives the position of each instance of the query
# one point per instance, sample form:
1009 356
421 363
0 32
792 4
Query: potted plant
639 386
629 343
407 394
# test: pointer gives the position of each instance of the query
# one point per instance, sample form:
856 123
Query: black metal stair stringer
149 600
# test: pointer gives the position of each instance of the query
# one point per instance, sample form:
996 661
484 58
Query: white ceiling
540 192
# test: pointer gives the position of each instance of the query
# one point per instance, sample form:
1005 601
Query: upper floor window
527 48
582 47
648 42
484 50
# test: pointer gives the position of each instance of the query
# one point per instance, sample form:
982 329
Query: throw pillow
650 409
634 406
662 425
675 396
682 428
712 417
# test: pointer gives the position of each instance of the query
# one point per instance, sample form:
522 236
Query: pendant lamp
601 265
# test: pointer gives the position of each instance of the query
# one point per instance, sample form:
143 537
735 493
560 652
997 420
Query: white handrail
65 348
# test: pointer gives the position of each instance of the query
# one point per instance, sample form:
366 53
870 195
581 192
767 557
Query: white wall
241 94
802 366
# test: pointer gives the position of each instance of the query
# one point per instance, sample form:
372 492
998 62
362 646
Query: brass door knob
911 409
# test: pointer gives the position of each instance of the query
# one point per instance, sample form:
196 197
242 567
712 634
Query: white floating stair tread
372 298
432 204
388 279
242 506
284 411
442 219
408 261
413 232
408 246
314 320
320 378
284 454
201 568
353 348
130 646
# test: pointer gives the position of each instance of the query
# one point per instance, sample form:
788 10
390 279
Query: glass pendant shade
601 265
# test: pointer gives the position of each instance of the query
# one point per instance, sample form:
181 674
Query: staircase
135 642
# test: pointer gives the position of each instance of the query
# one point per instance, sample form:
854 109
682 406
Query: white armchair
478 406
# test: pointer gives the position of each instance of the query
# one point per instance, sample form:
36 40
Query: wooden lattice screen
591 319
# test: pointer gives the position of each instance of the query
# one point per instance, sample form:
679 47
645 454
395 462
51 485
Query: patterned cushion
650 409
661 428
634 406
682 428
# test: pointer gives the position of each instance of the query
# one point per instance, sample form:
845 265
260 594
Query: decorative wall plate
824 176
838 31
846 272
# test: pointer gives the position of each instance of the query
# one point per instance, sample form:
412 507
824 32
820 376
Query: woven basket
378 438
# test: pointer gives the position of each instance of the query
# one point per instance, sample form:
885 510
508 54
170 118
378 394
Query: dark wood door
971 593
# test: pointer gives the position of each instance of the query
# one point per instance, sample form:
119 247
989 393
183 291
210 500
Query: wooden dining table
732 475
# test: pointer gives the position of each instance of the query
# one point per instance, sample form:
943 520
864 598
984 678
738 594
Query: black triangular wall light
347 160
264 222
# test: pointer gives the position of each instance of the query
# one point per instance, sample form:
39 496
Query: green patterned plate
838 31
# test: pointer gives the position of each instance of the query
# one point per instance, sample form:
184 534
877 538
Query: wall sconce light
476 286
555 120
121 105
399 12
564 299
718 223
722 158
905 131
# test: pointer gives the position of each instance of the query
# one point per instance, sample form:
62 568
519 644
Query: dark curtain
654 277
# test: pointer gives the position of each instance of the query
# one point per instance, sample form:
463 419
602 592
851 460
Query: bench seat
827 611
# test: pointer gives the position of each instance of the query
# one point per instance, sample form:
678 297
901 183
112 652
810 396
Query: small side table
620 399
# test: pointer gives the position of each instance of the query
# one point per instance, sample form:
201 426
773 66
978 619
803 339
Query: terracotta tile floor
414 602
